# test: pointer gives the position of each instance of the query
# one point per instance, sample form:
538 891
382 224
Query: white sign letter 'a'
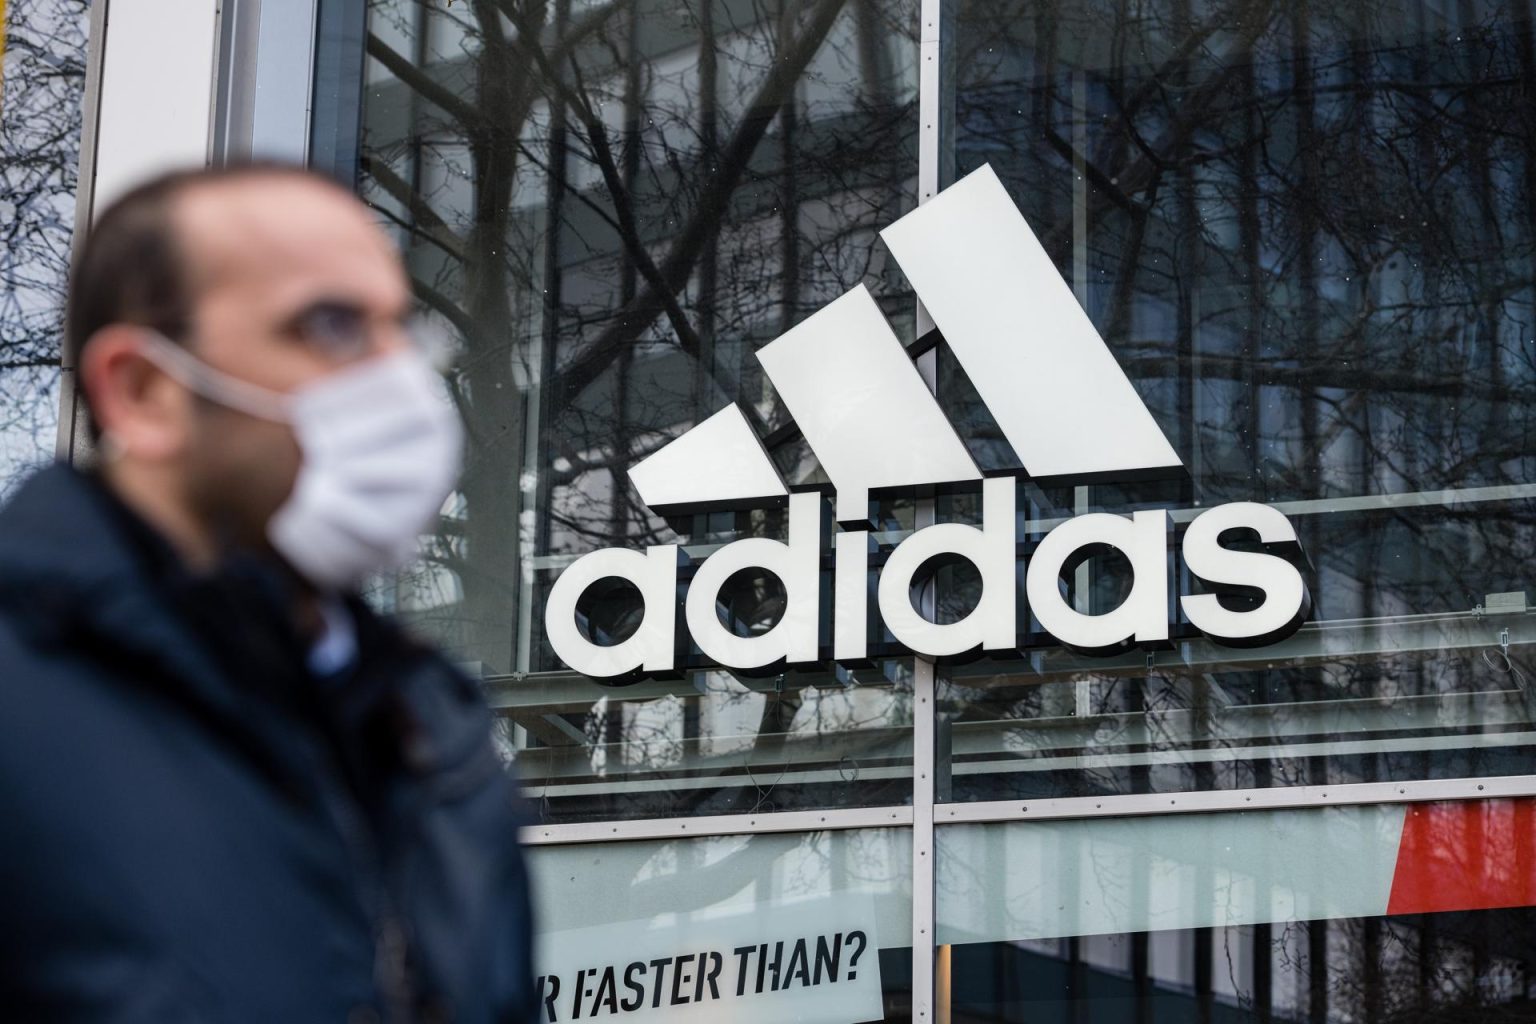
651 648
1141 618
794 638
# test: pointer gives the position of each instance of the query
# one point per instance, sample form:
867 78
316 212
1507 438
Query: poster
808 962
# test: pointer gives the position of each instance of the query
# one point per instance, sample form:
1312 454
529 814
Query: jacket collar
82 575
79 571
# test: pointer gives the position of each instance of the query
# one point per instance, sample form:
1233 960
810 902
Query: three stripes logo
1061 402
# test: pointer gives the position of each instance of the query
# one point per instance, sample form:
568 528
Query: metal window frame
1131 805
926 760
1228 800
265 80
70 442
840 819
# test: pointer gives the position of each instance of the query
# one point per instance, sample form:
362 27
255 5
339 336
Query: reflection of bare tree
568 187
1455 968
1309 241
43 80
1327 206
1307 238
1328 720
611 206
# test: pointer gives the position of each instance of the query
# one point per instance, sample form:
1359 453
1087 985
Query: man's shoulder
54 699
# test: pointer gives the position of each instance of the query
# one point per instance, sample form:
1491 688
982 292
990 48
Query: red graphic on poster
1478 855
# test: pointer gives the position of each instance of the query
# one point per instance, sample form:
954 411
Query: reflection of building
1307 234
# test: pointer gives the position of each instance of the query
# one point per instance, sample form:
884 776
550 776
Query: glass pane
713 744
1378 913
1431 694
1306 234
609 208
627 904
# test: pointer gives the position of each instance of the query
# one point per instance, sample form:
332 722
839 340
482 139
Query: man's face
292 281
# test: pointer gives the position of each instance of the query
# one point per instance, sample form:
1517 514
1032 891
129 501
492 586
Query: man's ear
145 413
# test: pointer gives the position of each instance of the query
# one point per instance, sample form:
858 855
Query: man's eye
334 330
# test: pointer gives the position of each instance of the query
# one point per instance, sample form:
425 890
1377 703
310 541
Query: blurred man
228 791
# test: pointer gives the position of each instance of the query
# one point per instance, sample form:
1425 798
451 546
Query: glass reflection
611 206
714 744
1421 913
1465 968
1306 234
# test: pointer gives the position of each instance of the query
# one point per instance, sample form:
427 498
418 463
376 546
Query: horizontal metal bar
718 825
853 748
766 777
1408 499
570 692
1328 639
1069 762
1141 804
1224 755
1430 712
1357 503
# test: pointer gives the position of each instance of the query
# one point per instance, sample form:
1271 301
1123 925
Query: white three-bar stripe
862 405
720 461
1035 358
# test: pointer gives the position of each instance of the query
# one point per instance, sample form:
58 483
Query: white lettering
1143 618
991 624
794 638
652 647
1285 602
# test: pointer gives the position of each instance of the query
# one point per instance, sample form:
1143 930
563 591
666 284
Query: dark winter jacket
195 828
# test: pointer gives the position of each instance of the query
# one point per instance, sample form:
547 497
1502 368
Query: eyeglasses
344 333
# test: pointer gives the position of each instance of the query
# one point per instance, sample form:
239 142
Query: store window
609 207
1305 231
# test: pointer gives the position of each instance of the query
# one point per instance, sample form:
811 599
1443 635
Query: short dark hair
131 268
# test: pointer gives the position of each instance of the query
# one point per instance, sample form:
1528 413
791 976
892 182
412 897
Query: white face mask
381 446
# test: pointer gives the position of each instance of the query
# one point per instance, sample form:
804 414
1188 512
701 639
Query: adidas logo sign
1038 363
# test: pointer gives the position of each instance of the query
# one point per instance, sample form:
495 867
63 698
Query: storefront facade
1307 236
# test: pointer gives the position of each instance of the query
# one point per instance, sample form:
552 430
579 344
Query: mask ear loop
215 385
